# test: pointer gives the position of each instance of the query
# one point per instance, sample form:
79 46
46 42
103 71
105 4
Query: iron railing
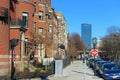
17 23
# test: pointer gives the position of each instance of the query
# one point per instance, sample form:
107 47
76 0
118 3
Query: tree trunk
28 56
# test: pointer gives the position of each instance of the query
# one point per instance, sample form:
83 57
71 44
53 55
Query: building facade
46 26
86 34
4 37
41 26
21 25
30 22
62 35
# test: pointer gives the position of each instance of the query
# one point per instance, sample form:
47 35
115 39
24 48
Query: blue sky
101 14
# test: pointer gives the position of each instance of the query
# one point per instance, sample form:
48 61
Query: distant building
86 34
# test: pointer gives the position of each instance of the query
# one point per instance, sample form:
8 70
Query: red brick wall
26 7
15 33
19 8
4 41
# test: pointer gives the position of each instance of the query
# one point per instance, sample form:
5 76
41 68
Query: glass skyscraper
86 34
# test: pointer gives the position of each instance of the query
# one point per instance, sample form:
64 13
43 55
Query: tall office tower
86 34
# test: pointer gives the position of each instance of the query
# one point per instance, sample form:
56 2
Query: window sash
25 19
25 0
26 46
40 30
41 16
42 1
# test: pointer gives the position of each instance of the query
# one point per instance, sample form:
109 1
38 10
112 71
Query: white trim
4 63
4 56
25 14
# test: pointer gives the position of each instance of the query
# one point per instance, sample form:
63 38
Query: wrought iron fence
66 62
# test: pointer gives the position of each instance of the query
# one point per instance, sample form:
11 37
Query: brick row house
62 35
34 24
21 25
44 21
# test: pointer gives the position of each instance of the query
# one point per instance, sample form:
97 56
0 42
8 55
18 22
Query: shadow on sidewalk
84 73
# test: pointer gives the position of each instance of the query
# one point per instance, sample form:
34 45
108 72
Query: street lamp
14 43
94 41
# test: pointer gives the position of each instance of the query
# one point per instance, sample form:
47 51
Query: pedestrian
71 57
83 58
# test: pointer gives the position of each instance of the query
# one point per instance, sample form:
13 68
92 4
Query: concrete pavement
76 71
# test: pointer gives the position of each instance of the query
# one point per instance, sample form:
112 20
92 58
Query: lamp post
94 41
14 43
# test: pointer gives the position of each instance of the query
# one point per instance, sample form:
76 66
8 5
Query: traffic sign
94 52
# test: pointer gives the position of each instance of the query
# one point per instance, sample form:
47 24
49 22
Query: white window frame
25 22
40 30
26 46
41 15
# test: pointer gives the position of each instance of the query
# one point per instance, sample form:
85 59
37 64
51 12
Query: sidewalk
76 71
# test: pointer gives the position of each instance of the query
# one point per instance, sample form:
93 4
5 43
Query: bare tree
75 44
111 43
34 40
78 41
113 30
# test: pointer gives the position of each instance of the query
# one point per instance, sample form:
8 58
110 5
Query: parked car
91 61
95 61
99 65
110 71
88 62
117 61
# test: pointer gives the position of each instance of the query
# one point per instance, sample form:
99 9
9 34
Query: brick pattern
17 32
4 37
4 65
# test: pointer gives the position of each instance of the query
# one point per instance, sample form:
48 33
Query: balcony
17 23
3 12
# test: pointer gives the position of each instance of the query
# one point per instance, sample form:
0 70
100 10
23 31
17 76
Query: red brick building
46 25
54 23
41 27
4 37
21 25
17 21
